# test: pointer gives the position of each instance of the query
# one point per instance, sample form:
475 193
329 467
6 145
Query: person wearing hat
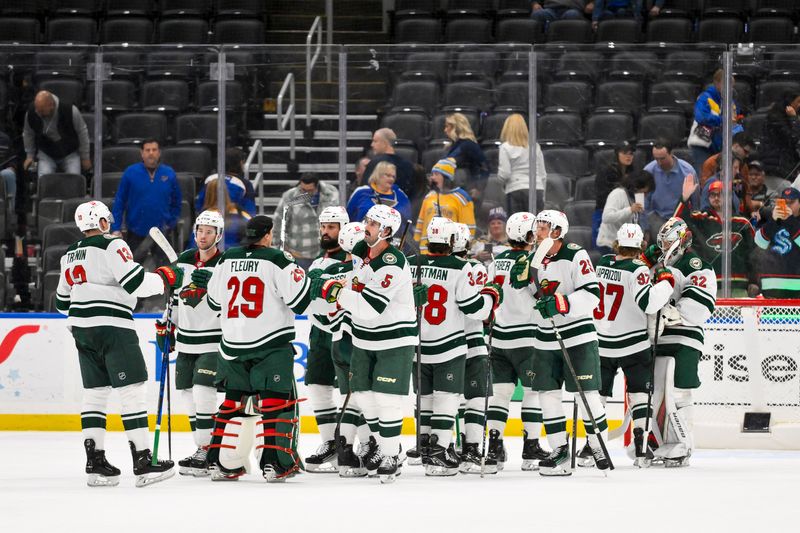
780 268
609 178
495 241
305 202
444 200
707 239
758 198
738 185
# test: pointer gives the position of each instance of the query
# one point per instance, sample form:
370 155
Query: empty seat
133 30
579 213
581 235
171 96
637 65
136 127
51 257
469 8
71 30
557 190
469 30
19 30
720 30
585 190
208 96
481 62
569 31
568 161
620 96
62 186
110 183
433 63
513 94
568 96
239 31
493 125
67 89
560 128
773 8
477 94
672 96
196 128
690 64
608 129
520 30
53 64
118 95
415 8
171 64
194 160
513 8
785 64
411 125
418 30
75 7
118 158
127 8
239 8
726 8
669 30
125 64
754 125
188 30
668 125
771 30
69 206
422 94
60 234
619 30
579 65
172 8
743 95
773 91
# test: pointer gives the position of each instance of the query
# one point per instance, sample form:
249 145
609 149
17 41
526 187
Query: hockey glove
172 277
192 295
420 295
550 306
496 292
662 274
520 274
327 289
651 255
200 278
161 335
316 273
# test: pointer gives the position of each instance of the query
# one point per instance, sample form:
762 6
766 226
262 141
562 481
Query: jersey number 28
615 292
251 291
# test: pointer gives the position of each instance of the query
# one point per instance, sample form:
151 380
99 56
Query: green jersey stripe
136 270
134 283
377 304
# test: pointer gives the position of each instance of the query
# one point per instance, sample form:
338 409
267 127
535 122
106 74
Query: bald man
383 150
55 134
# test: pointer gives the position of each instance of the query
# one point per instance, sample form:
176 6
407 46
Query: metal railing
311 60
256 151
288 83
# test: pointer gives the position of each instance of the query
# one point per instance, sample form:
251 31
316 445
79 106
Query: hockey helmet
441 230
674 229
630 236
351 234
386 217
462 237
556 219
210 218
89 214
333 214
519 225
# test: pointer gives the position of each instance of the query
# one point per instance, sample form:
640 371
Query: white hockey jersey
259 291
627 296
100 283
196 324
514 323
453 295
322 262
476 340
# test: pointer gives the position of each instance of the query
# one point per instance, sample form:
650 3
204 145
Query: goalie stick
297 200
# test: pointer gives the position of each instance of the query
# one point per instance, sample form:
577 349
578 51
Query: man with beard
320 372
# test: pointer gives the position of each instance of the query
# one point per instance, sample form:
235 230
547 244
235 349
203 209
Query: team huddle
541 315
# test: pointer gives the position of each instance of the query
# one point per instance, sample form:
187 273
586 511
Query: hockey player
513 337
320 374
681 344
569 294
475 369
380 301
198 336
627 297
453 295
97 289
258 290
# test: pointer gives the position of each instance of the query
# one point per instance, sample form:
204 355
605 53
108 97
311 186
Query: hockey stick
574 431
297 200
486 393
164 244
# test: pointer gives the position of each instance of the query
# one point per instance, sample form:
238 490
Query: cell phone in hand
639 198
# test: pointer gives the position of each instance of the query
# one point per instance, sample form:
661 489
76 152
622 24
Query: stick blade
164 244
541 253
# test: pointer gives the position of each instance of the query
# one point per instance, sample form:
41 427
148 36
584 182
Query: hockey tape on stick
164 244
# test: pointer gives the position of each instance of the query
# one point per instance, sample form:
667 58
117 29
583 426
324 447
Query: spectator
780 269
707 239
546 11
240 190
485 248
705 137
669 173
302 217
606 9
738 185
7 173
758 198
622 207
779 143
381 189
383 150
358 175
148 196
741 146
467 153
514 165
444 200
656 8
608 179
235 217
57 134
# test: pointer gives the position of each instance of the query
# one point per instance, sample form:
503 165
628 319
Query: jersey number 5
76 275
252 292
616 292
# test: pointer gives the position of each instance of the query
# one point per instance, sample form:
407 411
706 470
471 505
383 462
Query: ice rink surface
43 488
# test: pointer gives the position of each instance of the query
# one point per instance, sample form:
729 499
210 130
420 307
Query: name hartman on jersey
438 274
244 265
609 274
77 255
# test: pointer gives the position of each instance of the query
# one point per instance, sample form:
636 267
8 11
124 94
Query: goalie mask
673 230
89 214
210 218
556 219
462 237
441 230
386 217
519 225
350 235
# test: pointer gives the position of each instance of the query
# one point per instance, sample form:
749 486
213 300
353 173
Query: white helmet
351 234
674 229
556 219
89 214
630 236
462 237
519 225
387 217
333 214
441 231
210 218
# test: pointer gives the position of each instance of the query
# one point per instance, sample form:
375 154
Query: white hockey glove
669 317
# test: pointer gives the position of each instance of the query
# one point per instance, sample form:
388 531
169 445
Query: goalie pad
233 436
670 426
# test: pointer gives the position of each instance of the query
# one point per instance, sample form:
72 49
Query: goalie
679 346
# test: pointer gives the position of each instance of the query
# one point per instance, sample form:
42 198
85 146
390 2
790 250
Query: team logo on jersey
695 263
573 246
298 274
715 241
549 287
389 259
288 256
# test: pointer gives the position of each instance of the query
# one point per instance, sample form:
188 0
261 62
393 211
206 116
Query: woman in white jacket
621 207
514 166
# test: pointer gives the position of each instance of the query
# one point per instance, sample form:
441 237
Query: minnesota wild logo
549 287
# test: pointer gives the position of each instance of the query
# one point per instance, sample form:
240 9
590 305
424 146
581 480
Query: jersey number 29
252 292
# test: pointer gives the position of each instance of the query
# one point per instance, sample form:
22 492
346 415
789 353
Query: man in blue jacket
148 196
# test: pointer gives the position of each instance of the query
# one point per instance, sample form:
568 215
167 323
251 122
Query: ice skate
471 461
585 458
415 456
557 463
440 461
324 460
276 473
372 457
389 469
146 472
497 450
600 460
532 453
101 472
349 464
195 465
220 473
644 458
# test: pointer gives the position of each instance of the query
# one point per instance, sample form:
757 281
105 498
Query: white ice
42 488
